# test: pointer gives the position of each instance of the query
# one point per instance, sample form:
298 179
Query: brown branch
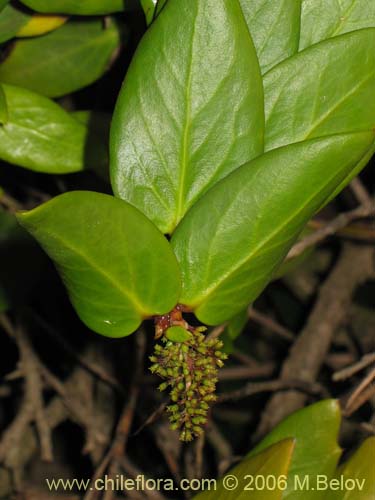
118 446
330 228
273 385
351 370
271 324
307 355
32 407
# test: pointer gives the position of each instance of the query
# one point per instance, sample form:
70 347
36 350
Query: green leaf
315 430
152 8
79 7
12 19
357 474
177 334
17 250
305 98
271 465
274 27
118 268
322 19
3 107
3 4
233 239
190 110
42 136
62 61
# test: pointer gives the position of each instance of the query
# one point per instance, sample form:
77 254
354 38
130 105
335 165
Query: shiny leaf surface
357 475
117 267
322 19
62 61
274 27
190 110
272 462
42 136
315 430
231 242
305 98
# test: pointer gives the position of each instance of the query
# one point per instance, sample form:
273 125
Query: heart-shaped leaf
11 20
274 27
355 480
79 7
233 239
315 430
257 477
322 19
305 98
190 110
118 268
42 136
62 61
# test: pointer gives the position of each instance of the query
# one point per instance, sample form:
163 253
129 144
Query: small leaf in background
177 334
12 19
231 242
315 430
322 19
274 27
78 7
41 24
299 105
42 136
17 250
358 474
257 477
118 268
190 110
63 61
3 107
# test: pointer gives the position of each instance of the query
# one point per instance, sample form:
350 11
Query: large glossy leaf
11 20
42 136
190 110
274 27
355 480
80 7
270 466
326 89
63 61
118 268
315 430
233 239
17 251
322 19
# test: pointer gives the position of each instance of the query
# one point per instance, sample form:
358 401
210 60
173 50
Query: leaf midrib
186 131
